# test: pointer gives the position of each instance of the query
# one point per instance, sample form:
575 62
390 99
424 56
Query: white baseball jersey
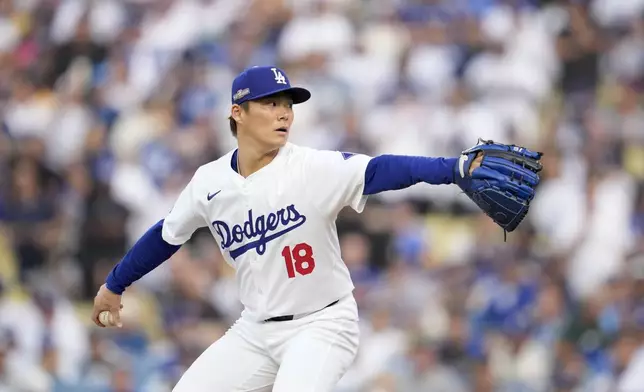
276 227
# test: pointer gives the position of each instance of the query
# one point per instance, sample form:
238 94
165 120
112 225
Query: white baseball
105 317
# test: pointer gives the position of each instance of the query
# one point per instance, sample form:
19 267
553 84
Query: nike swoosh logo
461 165
213 195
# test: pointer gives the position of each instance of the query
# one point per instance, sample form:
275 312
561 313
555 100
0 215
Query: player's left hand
476 163
501 179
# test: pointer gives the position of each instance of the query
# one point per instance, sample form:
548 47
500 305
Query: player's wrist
461 167
113 286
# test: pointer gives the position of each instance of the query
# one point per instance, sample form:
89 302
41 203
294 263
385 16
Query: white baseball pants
309 354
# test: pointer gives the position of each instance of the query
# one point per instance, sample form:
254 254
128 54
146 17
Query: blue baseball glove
504 185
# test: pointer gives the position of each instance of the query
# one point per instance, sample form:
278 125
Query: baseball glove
504 185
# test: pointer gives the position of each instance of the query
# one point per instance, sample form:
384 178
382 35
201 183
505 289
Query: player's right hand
106 300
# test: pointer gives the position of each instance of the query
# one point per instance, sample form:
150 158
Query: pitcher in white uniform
272 206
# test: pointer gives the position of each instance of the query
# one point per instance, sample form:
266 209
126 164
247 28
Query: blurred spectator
27 208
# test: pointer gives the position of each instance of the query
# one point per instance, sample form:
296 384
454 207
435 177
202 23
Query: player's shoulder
214 169
297 150
309 153
221 164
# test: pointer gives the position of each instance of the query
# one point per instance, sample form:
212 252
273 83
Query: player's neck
251 159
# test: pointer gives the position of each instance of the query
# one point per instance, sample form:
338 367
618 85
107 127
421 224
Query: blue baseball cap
259 82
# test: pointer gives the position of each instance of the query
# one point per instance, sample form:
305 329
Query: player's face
268 120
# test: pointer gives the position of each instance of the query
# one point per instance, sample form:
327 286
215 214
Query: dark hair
233 123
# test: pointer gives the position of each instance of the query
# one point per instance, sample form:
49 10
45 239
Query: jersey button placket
246 191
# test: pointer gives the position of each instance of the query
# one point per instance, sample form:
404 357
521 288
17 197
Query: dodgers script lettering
262 229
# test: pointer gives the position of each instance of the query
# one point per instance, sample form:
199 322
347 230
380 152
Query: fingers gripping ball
107 319
504 184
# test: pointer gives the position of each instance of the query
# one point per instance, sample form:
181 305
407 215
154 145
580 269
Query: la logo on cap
279 78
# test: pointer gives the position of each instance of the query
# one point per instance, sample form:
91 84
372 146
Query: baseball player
272 206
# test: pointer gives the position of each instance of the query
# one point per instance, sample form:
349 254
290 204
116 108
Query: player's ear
235 112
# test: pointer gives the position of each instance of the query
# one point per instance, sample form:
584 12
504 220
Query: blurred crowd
108 107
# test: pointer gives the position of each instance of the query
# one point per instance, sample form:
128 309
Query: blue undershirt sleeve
150 251
392 172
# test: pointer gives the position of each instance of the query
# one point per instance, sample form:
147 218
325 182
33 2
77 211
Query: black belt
290 317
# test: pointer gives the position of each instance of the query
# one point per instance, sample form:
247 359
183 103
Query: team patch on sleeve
347 155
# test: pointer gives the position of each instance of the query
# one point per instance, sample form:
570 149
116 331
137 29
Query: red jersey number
299 259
